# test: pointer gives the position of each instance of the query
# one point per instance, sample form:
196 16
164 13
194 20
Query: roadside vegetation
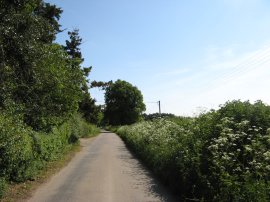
23 190
45 106
221 155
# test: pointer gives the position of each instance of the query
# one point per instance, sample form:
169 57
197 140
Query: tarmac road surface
104 171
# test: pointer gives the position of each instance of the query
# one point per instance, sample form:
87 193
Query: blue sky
190 54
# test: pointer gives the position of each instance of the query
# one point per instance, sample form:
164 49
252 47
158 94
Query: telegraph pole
159 107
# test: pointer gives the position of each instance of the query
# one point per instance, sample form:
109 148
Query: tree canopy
41 81
124 103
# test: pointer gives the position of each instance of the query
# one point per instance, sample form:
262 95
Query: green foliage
124 103
257 114
72 46
113 129
24 28
3 186
73 50
89 110
81 128
222 155
43 78
23 152
86 105
42 84
55 94
15 149
100 84
151 117
48 147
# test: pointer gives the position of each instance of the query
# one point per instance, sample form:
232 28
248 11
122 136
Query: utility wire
259 58
249 63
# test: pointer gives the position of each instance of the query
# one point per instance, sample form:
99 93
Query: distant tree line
150 117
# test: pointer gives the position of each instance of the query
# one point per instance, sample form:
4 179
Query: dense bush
16 153
222 155
23 151
81 128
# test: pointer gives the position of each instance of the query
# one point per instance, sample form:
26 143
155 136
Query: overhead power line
258 59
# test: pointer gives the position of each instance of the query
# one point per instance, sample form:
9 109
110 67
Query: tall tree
124 103
87 105
73 45
39 80
73 49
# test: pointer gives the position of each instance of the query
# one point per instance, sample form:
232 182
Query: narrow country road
104 171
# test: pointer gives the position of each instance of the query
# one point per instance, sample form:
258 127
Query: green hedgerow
222 155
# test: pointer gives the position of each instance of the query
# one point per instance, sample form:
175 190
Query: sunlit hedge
223 155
